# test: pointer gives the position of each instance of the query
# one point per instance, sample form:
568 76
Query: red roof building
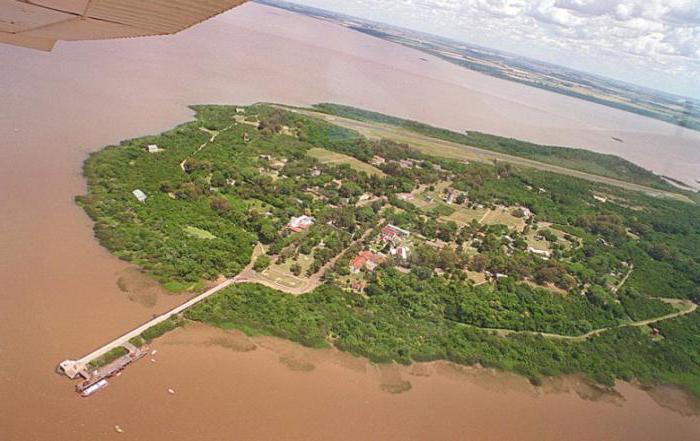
365 259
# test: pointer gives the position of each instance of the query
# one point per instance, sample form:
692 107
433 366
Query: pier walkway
74 368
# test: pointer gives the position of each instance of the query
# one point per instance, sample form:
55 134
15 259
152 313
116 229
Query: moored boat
94 388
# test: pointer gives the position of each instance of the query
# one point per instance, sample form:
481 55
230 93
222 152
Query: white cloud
658 39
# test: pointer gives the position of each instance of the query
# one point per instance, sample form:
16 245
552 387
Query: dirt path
689 308
452 150
213 134
624 279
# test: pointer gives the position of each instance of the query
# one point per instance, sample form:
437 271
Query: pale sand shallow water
61 296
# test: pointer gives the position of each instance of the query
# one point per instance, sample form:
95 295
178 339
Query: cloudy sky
654 43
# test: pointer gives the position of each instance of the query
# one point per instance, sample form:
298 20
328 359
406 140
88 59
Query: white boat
94 388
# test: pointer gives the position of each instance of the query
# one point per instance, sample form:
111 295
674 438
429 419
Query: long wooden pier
74 368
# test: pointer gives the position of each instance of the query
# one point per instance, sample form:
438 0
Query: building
543 253
365 259
522 212
356 286
139 195
402 252
450 196
152 148
406 163
300 223
377 160
392 232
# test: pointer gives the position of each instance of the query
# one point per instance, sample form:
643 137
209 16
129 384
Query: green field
328 157
502 216
198 233
464 215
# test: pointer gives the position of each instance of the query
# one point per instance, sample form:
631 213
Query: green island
383 250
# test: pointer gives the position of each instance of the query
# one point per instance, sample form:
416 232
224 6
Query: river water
63 295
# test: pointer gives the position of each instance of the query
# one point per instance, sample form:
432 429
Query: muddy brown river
63 295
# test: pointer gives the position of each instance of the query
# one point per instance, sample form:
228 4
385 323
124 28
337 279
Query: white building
544 253
401 252
152 148
300 223
140 195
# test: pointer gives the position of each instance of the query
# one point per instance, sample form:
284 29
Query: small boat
94 388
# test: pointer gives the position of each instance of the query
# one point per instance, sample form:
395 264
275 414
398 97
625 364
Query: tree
267 233
295 269
261 263
221 205
479 263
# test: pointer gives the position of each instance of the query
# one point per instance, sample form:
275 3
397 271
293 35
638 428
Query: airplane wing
38 24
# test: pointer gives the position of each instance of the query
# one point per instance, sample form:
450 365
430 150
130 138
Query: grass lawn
198 233
464 216
282 275
420 195
541 243
538 243
477 278
328 157
502 216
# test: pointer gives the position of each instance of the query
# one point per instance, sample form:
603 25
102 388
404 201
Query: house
392 232
450 196
522 212
377 160
152 148
356 285
402 252
139 195
365 259
278 164
240 110
300 223
543 253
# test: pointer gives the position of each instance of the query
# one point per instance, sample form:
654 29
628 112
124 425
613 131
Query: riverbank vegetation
408 257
